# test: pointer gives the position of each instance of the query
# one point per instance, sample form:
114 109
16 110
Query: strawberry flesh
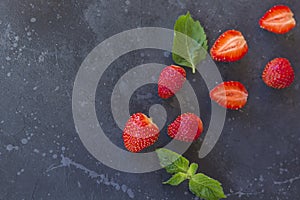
279 19
170 81
139 133
232 95
229 47
278 73
186 127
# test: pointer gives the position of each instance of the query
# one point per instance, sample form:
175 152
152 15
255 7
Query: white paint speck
24 141
8 58
54 156
10 147
36 151
130 193
124 188
33 19
261 178
79 184
63 148
29 33
127 2
44 154
41 58
35 88
58 16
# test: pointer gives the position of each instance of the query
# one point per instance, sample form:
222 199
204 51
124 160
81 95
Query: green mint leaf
190 42
176 179
192 170
172 162
206 188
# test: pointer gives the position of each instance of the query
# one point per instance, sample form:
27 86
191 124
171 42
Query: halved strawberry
170 81
186 127
229 47
139 132
279 19
231 94
278 73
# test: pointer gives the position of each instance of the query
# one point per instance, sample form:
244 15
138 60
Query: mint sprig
176 179
172 162
199 184
190 46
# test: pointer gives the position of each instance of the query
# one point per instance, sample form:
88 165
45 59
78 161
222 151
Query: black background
43 44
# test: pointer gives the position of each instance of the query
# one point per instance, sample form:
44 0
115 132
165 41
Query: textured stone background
43 44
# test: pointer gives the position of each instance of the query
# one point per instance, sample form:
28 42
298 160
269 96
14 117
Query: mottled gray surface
42 46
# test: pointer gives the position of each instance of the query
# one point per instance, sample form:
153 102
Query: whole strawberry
139 132
278 73
170 81
186 127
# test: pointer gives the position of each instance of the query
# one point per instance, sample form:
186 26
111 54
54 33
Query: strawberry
279 19
278 73
229 47
231 94
170 81
186 127
139 132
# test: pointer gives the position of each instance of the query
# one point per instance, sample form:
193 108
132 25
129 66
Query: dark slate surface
43 44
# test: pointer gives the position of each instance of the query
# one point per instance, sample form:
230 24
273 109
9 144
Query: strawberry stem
193 69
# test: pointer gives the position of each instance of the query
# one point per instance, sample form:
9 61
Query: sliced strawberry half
229 47
231 94
279 19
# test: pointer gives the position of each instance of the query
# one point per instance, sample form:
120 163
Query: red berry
229 47
279 19
186 127
170 81
231 94
139 132
278 73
